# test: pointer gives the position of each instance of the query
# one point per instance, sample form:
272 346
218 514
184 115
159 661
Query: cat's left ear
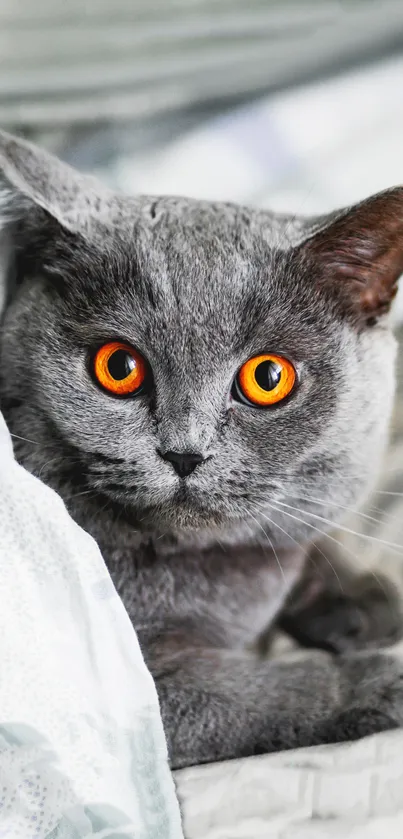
357 255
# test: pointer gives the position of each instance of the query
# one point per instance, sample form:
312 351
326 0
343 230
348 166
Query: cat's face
197 290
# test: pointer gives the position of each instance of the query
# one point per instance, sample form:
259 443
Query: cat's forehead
215 262
223 249
219 275
180 245
217 223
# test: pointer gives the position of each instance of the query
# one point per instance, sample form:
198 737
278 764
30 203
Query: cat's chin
184 510
179 517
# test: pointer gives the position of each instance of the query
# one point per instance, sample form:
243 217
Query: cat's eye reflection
264 380
119 369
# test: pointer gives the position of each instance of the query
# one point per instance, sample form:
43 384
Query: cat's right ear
38 195
32 178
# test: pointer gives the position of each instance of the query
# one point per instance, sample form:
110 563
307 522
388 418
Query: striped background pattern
78 62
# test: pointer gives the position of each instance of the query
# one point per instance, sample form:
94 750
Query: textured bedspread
351 791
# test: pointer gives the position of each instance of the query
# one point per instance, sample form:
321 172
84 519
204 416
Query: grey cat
203 497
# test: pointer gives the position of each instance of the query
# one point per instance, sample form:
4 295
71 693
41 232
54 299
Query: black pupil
121 364
268 375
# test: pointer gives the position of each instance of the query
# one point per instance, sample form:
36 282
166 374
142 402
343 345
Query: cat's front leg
221 704
335 609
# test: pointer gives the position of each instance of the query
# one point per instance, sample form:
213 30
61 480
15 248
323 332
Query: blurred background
291 104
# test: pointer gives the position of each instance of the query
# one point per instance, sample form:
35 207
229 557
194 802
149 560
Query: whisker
53 461
102 509
25 439
334 504
78 494
331 538
221 545
326 558
272 547
349 530
386 514
388 492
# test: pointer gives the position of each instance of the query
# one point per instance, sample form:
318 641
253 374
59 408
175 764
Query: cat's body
206 559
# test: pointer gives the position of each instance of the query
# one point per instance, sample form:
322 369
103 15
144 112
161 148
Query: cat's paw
355 723
370 617
374 697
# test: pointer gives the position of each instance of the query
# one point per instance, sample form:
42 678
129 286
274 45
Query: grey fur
206 565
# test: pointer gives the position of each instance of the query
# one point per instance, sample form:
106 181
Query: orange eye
265 380
119 368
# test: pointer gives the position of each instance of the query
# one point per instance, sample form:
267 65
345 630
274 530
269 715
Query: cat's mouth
186 508
166 505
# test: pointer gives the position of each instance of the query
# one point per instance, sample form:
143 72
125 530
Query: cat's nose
184 463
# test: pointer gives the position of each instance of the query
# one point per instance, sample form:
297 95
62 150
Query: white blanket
82 750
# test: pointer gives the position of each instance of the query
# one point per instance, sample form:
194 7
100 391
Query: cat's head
128 335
